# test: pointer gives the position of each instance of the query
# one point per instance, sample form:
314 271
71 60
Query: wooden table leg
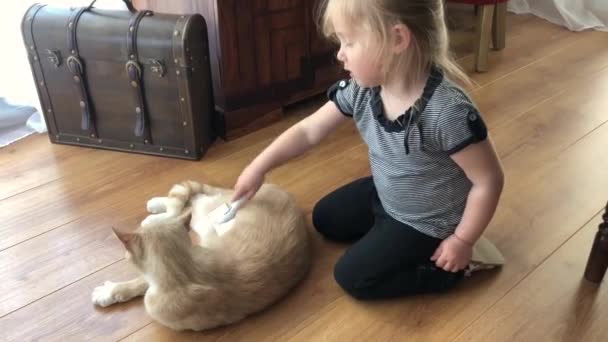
597 263
482 39
499 28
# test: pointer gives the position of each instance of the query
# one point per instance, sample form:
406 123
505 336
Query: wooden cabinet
265 54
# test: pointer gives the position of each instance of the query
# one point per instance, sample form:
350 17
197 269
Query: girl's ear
402 38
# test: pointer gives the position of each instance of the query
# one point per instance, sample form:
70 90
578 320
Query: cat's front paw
106 294
157 205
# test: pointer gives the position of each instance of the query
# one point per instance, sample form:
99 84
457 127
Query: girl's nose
341 57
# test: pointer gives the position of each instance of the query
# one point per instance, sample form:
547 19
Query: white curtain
19 105
576 15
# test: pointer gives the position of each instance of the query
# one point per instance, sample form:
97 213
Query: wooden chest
123 80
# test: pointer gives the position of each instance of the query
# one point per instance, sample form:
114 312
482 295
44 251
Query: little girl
436 179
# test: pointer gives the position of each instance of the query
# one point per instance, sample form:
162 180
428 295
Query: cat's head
164 240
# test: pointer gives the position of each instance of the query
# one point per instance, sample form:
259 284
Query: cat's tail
184 191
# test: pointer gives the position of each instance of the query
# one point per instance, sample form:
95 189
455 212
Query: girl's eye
348 44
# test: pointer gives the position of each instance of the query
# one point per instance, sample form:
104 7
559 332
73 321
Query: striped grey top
417 181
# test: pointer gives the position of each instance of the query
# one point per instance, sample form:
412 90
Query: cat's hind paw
157 205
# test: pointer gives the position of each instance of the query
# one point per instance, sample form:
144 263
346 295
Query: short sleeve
458 126
343 94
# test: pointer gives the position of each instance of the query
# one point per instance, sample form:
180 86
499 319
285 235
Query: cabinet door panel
278 5
281 42
237 39
319 45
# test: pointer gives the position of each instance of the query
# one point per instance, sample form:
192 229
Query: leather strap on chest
77 68
135 74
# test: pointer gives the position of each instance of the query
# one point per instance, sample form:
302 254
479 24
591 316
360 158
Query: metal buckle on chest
136 68
157 67
54 56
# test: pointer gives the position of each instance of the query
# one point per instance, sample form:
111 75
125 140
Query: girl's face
357 54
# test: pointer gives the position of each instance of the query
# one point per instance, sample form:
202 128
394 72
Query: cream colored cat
196 279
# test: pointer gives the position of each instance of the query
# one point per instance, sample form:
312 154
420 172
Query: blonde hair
424 18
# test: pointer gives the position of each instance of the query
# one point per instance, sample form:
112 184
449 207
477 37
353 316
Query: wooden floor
545 100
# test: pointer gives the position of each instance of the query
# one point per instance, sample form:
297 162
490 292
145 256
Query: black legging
389 258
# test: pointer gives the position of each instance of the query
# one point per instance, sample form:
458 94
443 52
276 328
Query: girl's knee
349 279
321 219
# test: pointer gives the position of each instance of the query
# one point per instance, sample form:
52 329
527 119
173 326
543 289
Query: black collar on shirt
404 121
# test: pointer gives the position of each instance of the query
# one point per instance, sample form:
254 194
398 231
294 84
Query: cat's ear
185 217
125 238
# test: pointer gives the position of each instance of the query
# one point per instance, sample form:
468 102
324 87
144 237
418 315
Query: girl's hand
453 254
248 183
